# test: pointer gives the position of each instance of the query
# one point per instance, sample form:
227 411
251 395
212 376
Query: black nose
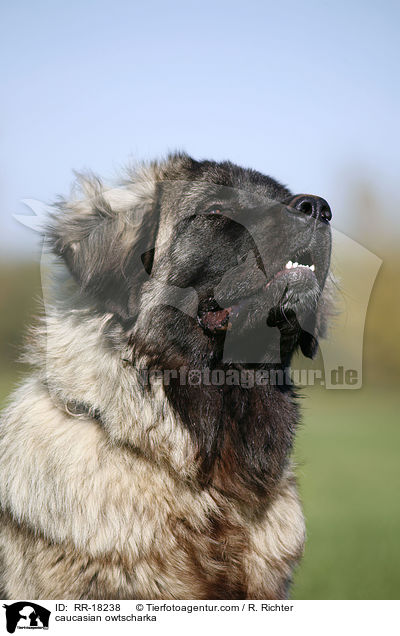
312 206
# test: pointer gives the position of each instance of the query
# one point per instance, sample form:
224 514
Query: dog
137 460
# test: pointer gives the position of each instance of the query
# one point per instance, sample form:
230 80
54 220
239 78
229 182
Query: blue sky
305 91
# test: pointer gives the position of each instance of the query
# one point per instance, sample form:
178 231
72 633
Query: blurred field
349 473
347 450
20 293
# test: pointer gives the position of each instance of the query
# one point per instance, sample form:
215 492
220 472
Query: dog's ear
105 237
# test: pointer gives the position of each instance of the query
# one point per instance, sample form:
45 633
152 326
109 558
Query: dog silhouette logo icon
26 615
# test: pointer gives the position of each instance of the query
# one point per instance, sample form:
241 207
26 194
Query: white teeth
290 265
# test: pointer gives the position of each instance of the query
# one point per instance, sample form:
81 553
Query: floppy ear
101 235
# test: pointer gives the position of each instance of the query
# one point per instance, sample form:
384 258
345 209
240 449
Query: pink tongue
216 320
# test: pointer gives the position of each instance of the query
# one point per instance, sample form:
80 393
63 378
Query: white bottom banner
181 617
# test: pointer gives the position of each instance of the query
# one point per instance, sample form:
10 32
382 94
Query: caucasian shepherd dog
147 456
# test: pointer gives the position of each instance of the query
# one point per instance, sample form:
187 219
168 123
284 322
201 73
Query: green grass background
347 453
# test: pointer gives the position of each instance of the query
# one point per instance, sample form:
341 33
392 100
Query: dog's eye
219 209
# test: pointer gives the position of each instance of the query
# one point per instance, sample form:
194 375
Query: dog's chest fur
113 509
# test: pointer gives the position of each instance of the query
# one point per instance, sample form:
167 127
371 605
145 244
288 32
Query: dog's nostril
311 205
326 213
305 207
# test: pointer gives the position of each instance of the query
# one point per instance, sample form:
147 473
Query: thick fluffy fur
112 489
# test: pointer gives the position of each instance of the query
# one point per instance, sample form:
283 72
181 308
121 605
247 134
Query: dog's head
201 262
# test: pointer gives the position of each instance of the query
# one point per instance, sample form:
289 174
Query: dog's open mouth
214 319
